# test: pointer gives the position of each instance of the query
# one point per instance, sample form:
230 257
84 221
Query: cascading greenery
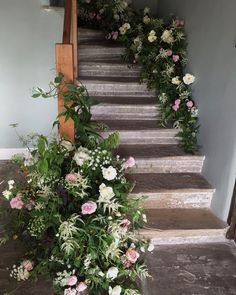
72 210
160 49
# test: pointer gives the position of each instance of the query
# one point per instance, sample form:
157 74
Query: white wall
28 35
211 28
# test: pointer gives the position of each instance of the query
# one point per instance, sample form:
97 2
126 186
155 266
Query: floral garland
160 49
73 213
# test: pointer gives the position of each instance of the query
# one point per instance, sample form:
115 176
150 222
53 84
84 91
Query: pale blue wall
28 35
211 28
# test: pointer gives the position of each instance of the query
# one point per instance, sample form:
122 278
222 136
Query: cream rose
188 79
112 273
81 156
167 36
115 291
109 173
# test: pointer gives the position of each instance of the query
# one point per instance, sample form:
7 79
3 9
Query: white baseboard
6 154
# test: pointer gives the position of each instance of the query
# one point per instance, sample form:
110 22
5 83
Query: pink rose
175 107
179 22
129 163
71 177
114 35
89 208
132 255
71 281
189 104
27 264
177 102
98 17
70 291
169 52
175 58
125 223
127 263
81 287
17 203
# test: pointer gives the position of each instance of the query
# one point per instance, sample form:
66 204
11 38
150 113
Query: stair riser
112 71
99 53
168 166
88 35
171 237
143 137
128 116
176 200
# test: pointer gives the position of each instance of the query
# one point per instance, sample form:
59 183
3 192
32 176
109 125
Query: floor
197 269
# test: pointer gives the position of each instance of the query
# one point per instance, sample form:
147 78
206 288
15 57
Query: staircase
178 196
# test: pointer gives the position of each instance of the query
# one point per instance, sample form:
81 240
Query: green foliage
47 211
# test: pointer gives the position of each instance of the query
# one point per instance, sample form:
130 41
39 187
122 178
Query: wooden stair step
179 226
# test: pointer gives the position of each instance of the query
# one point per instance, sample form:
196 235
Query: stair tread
135 100
182 219
154 151
161 182
112 79
129 125
100 44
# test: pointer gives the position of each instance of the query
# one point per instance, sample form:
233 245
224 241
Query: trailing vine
161 50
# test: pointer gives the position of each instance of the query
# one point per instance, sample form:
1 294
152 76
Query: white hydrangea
109 173
146 19
167 36
188 79
176 80
81 156
152 36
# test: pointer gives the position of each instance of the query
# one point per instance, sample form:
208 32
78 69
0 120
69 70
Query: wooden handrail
67 61
67 22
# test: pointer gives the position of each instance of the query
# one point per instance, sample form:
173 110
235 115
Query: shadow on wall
57 3
211 30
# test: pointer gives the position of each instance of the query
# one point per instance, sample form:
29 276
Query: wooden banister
67 61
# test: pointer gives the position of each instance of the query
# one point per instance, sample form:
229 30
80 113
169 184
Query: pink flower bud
129 163
28 265
71 281
81 287
17 203
175 58
189 104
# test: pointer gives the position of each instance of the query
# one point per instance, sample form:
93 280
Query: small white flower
67 145
101 274
194 112
152 38
116 17
81 156
176 80
142 249
126 26
11 184
146 10
115 291
167 36
150 247
109 173
112 273
6 194
146 19
188 79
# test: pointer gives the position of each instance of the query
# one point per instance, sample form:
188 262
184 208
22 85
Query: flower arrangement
160 49
73 213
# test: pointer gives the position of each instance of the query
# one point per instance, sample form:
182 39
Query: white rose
122 30
67 145
81 156
150 247
176 80
188 79
112 273
152 38
115 291
167 36
126 26
146 19
109 173
106 193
